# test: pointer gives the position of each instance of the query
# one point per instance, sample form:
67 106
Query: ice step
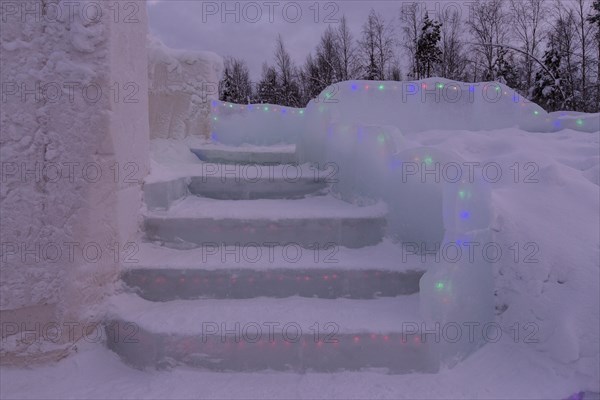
235 182
295 334
222 154
235 272
307 222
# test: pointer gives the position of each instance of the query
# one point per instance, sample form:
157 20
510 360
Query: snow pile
182 85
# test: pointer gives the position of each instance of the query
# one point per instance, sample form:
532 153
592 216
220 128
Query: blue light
471 88
214 103
353 86
213 136
359 134
465 215
283 110
395 164
557 124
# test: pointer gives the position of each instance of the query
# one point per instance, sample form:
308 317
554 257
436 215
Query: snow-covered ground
554 304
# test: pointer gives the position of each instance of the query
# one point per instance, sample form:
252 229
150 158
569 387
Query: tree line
547 50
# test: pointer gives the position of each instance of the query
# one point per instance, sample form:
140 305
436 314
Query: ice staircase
249 263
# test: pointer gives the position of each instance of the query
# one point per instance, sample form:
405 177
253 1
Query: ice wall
259 124
437 203
74 135
182 85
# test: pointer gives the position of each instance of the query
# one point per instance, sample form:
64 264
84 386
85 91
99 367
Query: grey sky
206 25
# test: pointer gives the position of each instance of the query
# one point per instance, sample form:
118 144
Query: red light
160 280
326 277
356 339
181 280
373 336
386 338
417 340
334 276
307 278
367 87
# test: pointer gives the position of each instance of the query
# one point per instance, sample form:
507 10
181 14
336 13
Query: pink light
307 278
160 280
373 336
366 87
386 338
326 277
356 339
181 280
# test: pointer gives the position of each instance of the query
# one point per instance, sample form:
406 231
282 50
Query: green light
215 118
381 138
381 87
266 108
439 285
462 194
579 122
301 112
427 160
440 85
536 112
328 95
230 105
497 88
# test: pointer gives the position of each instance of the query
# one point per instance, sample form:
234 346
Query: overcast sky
207 25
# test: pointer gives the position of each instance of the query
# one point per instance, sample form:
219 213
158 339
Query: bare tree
377 46
527 18
349 66
454 61
411 27
287 73
327 59
488 25
585 32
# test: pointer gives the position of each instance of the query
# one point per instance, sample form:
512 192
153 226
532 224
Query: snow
560 295
383 256
503 370
385 315
309 207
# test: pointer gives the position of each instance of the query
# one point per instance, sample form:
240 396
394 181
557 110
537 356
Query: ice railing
359 126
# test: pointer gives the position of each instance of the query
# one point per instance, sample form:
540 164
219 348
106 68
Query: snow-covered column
74 135
182 86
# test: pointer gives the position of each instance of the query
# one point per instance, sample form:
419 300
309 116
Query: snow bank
182 85
74 153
